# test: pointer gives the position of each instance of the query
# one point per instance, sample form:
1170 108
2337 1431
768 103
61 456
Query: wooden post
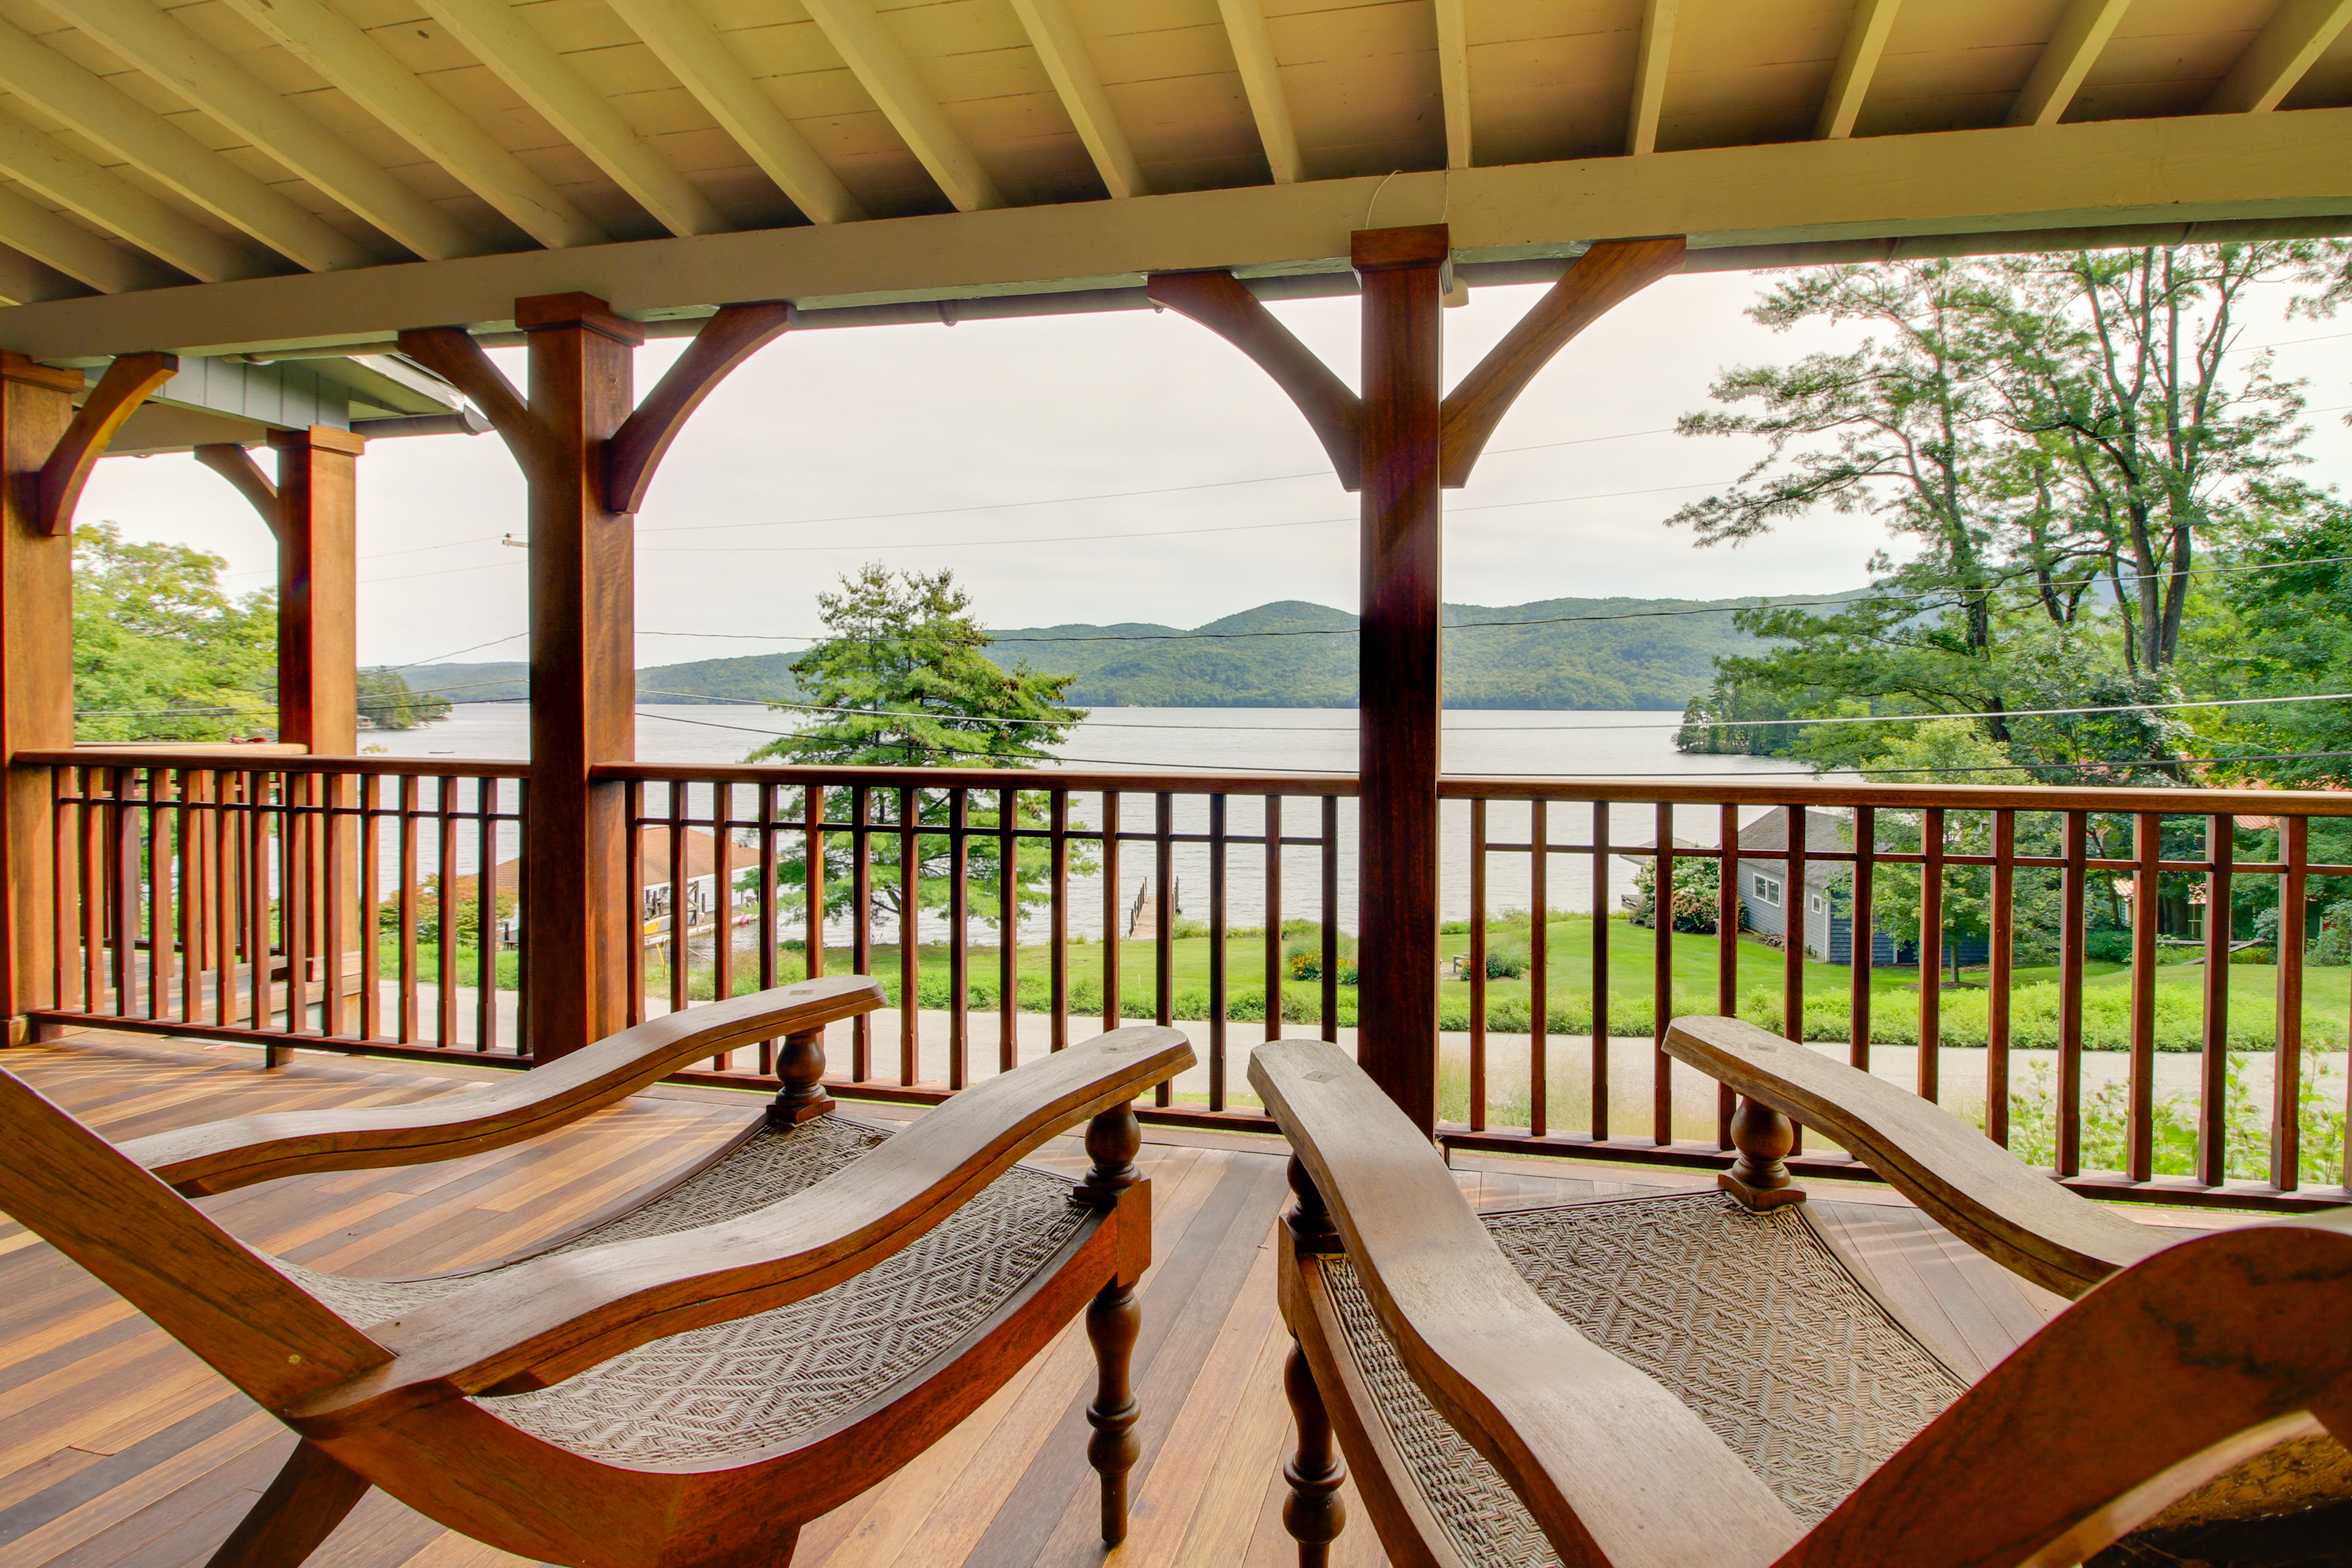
1398 444
36 670
317 587
579 906
1400 687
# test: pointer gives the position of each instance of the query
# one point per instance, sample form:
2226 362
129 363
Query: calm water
1583 744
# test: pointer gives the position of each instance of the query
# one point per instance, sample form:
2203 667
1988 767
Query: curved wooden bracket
126 384
725 342
1602 278
1219 302
235 464
451 353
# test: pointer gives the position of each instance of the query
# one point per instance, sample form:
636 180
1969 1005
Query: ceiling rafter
1857 63
1649 65
372 77
1054 36
1453 79
2082 34
107 115
217 84
701 59
881 66
105 198
59 242
1262 83
2280 55
502 40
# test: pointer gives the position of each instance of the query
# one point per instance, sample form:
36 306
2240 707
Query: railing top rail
1901 797
1087 780
224 760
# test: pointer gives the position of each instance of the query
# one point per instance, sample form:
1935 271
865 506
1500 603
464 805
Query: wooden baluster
1114 907
1662 978
2067 1141
1058 921
1114 1318
1538 969
1727 948
1163 920
1217 952
861 922
1008 930
2286 1062
1931 953
1997 976
1600 971
1760 1179
1330 851
2213 1070
2139 1152
1273 917
1313 1513
910 854
958 939
1476 963
1864 954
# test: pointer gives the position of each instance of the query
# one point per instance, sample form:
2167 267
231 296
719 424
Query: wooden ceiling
150 145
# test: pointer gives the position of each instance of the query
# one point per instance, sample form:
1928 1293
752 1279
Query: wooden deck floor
119 1449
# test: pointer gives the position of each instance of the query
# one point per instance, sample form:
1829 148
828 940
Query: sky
1019 453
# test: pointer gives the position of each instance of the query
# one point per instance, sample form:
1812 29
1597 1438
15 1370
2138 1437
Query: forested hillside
1577 653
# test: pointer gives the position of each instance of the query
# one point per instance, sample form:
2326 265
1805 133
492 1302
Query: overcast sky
1009 451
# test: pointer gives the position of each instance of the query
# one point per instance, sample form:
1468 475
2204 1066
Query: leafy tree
389 703
162 651
901 680
2063 439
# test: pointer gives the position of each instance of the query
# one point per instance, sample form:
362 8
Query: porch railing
1225 903
318 900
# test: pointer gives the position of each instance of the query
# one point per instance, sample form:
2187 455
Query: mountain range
1611 653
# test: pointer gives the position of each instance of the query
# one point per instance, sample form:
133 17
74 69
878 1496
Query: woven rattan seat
1749 1318
745 1387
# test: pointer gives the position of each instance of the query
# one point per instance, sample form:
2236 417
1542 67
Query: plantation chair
1699 1380
686 1383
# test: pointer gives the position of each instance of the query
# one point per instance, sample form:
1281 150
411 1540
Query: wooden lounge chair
684 1383
1690 1380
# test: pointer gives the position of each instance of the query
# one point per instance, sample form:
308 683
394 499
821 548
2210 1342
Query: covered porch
194 932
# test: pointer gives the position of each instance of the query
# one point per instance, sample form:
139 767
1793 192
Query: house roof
236 175
1824 830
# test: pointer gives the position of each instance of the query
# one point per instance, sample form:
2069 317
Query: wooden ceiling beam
59 242
704 64
1225 305
2081 34
210 81
1262 84
2183 180
1857 63
112 203
880 65
1650 66
497 34
1453 79
103 112
1054 36
2280 55
369 75
725 342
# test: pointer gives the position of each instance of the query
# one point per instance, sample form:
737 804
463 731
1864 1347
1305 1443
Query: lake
1620 743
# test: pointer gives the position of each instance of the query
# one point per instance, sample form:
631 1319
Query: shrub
1505 963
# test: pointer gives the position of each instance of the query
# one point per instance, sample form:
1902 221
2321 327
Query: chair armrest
1615 1469
545 1320
220 1155
1969 1183
2169 1374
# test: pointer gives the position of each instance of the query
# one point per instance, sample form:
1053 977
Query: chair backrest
208 1290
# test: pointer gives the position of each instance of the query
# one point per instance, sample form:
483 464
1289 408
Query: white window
1767 890
1816 903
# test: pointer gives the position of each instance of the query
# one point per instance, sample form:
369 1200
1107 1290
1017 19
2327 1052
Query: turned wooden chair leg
1113 1319
1313 1514
310 1496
